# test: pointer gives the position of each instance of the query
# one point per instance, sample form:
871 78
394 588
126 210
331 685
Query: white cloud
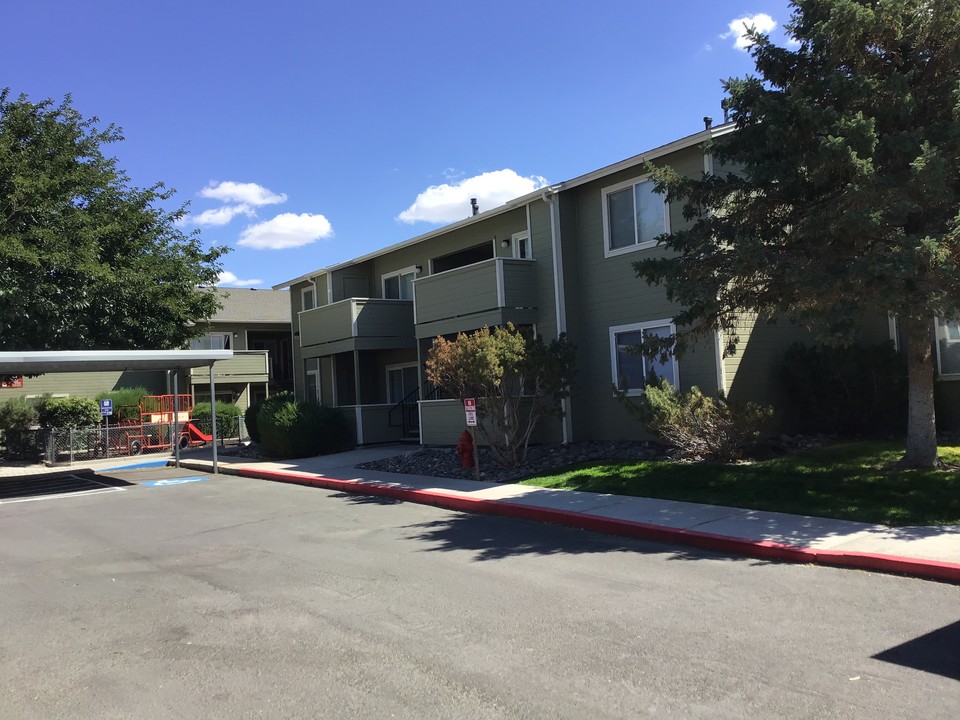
450 202
738 29
221 215
245 193
228 278
286 230
707 47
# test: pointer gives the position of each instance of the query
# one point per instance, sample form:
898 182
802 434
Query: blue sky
308 133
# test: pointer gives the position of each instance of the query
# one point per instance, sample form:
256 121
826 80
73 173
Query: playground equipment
150 426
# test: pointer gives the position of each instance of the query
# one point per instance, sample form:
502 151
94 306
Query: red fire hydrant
465 449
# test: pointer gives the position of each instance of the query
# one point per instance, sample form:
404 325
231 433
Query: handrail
408 413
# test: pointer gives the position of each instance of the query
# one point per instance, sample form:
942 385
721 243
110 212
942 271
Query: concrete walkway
929 552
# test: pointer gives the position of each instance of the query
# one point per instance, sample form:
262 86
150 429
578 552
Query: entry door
401 381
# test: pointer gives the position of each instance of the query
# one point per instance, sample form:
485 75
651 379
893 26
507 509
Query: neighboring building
559 260
255 324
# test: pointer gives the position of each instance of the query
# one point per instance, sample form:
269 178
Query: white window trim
634 327
396 273
936 344
515 244
303 291
604 193
894 332
396 366
316 374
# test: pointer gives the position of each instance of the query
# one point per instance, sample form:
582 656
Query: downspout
548 195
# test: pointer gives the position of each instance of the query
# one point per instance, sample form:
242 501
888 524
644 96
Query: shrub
228 419
16 414
292 428
855 390
125 402
252 415
67 412
698 425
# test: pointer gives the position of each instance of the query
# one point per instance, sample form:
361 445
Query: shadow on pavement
494 538
937 652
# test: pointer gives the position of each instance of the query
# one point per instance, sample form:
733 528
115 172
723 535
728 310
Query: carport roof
39 362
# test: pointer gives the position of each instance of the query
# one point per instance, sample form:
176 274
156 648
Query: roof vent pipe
473 204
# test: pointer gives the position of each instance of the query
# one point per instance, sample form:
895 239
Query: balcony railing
244 366
490 292
371 319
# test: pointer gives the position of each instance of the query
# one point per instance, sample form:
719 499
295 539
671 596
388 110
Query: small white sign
470 407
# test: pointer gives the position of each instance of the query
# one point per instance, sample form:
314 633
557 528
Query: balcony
491 292
356 324
245 366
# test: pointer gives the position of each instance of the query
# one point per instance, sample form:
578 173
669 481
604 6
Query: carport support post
175 438
213 417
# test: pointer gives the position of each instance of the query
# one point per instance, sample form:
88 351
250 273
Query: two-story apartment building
558 259
255 324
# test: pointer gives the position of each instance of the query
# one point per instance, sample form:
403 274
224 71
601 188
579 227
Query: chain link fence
65 446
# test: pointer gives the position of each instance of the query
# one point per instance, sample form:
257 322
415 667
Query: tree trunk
921 418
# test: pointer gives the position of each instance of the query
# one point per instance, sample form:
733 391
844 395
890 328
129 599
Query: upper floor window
399 285
630 368
521 246
308 298
633 216
212 341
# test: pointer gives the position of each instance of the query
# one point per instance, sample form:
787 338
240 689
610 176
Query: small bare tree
516 379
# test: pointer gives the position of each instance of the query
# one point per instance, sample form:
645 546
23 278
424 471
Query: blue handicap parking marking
174 481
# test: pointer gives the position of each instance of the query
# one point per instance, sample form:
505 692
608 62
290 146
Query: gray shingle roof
247 305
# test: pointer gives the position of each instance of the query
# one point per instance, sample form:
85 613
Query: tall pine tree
847 196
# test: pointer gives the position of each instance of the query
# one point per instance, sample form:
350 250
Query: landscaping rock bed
444 462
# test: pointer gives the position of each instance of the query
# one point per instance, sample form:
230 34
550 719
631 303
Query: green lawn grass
851 481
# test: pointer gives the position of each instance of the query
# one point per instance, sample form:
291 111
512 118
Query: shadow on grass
937 652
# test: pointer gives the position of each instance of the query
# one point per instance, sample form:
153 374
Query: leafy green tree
87 261
846 194
516 380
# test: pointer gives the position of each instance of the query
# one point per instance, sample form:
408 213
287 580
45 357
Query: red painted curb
928 569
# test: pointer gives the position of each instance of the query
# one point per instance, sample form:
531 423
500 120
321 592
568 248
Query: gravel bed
444 462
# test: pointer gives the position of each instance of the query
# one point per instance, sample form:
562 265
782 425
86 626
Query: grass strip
850 481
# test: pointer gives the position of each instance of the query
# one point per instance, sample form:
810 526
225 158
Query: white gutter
548 195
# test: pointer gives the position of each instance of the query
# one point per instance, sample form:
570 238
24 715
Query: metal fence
66 446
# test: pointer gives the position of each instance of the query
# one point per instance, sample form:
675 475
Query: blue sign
106 407
173 481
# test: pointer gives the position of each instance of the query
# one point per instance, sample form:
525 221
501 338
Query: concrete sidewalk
929 552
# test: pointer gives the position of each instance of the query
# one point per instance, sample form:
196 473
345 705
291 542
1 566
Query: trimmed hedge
126 402
67 412
252 414
228 419
17 414
293 429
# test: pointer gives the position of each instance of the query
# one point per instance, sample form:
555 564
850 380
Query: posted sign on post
106 407
470 407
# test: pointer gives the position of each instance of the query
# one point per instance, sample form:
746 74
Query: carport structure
42 361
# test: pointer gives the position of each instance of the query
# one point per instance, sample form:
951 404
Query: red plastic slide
195 434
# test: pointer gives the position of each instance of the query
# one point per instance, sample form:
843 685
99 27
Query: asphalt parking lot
165 593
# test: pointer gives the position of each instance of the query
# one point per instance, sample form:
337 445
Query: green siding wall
604 292
87 384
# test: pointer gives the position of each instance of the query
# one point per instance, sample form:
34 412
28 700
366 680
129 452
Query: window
308 298
948 346
630 369
399 285
402 380
633 216
213 341
521 246
312 391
